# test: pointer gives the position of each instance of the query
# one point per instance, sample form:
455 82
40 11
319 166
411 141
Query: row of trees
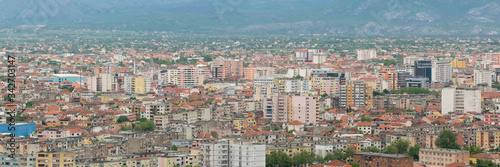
281 159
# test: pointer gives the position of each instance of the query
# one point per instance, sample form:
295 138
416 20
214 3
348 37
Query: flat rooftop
382 155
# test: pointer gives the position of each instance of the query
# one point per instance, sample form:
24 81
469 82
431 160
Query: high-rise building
423 68
366 54
305 109
461 100
192 76
255 72
225 68
319 58
225 154
482 77
402 75
458 64
441 71
356 93
306 55
276 107
492 57
137 84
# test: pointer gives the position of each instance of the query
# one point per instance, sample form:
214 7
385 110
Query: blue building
68 77
21 129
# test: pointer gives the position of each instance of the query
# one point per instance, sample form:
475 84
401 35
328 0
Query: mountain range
261 17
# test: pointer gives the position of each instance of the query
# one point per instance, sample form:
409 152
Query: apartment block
439 157
356 93
305 109
226 154
51 159
461 100
365 159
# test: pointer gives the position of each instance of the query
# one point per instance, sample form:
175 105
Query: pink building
53 134
190 76
225 68
276 107
305 109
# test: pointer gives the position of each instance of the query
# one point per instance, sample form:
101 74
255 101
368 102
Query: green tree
366 118
44 123
122 119
174 148
473 149
375 93
207 58
414 151
371 149
19 118
29 104
385 91
303 158
354 164
320 159
278 159
125 128
97 94
145 126
447 139
401 145
391 149
214 134
331 156
349 153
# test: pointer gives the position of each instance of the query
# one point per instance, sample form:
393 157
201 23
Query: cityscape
139 93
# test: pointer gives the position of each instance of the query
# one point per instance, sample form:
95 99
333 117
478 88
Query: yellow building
356 94
139 83
114 163
49 159
171 161
291 151
458 64
487 139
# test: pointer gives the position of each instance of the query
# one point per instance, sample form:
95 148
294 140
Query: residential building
305 109
226 154
442 157
137 84
366 54
482 77
462 100
276 107
365 159
441 71
57 158
356 94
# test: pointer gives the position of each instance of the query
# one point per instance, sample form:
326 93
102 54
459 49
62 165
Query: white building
482 77
107 82
366 54
225 154
441 71
297 86
319 58
460 100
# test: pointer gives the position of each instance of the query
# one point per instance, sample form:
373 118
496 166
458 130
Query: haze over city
250 83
